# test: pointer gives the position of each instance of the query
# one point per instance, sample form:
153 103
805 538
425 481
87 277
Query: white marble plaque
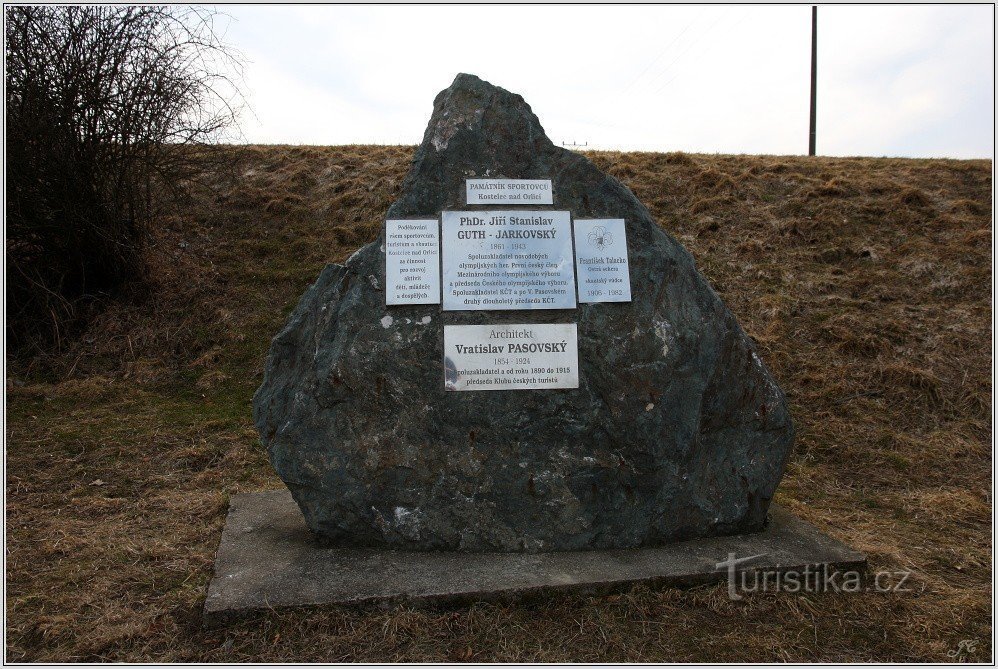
511 357
507 260
510 191
412 262
601 260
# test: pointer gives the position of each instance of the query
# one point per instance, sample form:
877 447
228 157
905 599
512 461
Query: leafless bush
108 109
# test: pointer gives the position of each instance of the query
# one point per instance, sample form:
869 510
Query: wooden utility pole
814 78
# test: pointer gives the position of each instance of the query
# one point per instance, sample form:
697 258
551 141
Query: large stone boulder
677 429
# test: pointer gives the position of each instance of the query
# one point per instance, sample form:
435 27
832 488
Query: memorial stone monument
523 361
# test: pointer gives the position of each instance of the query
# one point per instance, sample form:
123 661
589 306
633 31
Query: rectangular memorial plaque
601 260
508 260
511 357
412 262
509 191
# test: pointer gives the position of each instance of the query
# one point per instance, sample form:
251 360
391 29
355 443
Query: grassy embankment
865 282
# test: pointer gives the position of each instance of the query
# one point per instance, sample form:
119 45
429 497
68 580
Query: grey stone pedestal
267 558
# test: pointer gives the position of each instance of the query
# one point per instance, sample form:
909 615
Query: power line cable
676 75
685 51
659 56
689 46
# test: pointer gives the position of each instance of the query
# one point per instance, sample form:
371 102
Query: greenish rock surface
677 429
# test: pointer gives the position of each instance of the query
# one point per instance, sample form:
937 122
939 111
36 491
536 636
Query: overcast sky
897 81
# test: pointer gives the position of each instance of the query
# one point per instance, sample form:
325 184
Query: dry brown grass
865 282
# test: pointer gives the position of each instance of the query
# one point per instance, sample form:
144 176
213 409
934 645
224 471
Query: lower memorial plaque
511 357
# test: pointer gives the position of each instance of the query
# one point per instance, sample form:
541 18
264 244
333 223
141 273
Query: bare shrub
109 110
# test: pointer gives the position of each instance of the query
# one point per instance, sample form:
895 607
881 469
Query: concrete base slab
267 558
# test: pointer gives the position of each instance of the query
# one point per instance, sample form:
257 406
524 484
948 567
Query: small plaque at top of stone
510 191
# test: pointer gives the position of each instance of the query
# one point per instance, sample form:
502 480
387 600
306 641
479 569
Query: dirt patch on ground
865 282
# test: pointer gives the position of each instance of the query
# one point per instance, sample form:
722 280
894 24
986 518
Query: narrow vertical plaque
412 262
530 356
601 260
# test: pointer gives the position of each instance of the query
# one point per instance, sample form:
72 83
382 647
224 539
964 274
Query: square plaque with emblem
601 260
